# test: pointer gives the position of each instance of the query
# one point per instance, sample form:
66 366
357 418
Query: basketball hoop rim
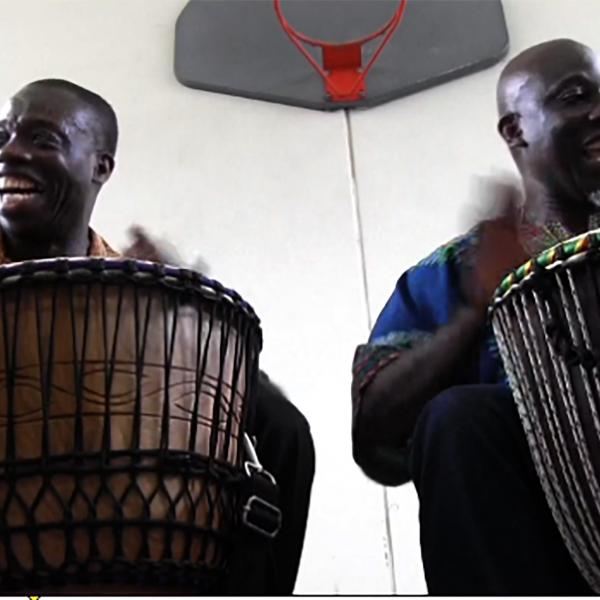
296 37
392 22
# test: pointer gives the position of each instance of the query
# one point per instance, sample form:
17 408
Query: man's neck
542 209
19 248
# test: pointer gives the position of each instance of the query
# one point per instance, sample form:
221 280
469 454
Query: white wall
264 193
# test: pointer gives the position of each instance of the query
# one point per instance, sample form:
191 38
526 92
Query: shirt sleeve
424 299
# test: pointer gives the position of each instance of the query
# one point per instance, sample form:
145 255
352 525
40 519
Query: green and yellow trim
558 253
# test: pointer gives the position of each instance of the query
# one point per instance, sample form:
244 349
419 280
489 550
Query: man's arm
391 402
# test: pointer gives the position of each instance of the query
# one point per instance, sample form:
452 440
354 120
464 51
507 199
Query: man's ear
105 164
509 127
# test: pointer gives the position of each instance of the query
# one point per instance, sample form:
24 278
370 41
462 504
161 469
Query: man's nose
595 112
14 150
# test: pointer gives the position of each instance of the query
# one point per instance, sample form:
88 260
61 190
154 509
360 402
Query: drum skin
121 380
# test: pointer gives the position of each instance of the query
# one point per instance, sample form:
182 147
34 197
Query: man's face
558 99
47 163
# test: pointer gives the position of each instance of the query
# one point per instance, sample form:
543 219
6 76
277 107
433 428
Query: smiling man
549 118
430 399
57 149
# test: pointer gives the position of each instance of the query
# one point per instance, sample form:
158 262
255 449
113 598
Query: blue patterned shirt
425 298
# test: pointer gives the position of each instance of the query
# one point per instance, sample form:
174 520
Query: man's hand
499 248
145 247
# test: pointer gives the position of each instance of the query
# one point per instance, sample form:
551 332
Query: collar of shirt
98 247
537 238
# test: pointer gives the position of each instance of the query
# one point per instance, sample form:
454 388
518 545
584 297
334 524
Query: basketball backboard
238 47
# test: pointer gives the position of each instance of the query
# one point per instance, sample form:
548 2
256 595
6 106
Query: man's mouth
17 188
591 148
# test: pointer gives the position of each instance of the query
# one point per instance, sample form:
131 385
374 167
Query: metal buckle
251 466
254 501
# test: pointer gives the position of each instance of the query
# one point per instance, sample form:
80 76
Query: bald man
430 398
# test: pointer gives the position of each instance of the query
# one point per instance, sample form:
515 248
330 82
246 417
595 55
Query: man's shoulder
100 247
452 252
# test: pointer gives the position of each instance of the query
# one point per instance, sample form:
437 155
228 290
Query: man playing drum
430 398
57 150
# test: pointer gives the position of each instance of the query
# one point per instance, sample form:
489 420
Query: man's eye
574 95
46 139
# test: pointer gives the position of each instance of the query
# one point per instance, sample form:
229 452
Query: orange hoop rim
296 36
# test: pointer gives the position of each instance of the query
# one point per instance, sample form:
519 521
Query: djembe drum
124 387
546 317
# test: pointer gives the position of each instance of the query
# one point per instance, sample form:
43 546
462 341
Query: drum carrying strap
260 521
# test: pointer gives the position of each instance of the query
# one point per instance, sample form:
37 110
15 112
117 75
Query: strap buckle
261 516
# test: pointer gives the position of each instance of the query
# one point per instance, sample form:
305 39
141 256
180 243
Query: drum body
124 387
546 317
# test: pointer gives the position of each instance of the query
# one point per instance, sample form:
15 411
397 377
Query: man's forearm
392 402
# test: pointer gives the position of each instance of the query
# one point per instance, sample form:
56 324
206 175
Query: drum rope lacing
80 465
574 354
545 320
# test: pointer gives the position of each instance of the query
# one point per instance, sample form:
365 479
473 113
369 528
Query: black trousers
485 526
285 449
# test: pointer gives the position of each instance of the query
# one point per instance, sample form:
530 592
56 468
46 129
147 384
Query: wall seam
358 231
